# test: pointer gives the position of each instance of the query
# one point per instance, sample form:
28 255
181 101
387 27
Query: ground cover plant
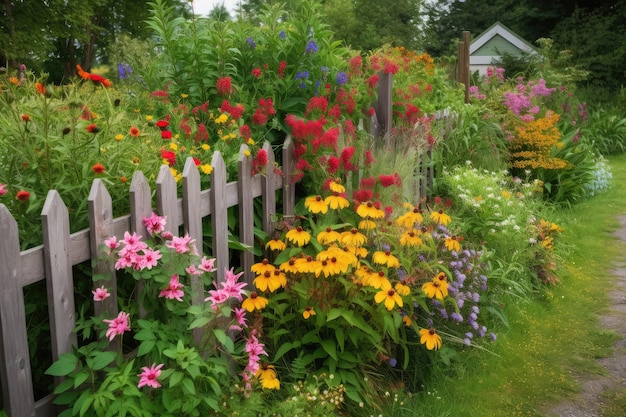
367 295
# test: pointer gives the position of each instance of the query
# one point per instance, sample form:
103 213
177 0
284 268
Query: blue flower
393 362
302 75
251 42
281 34
311 47
124 70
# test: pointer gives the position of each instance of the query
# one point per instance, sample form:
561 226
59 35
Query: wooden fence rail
53 260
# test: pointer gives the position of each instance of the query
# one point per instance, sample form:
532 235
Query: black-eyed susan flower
336 186
389 297
430 338
385 258
266 374
367 224
411 238
369 211
316 204
440 217
407 320
275 244
410 218
298 236
436 288
377 280
353 238
402 289
308 312
268 281
336 201
254 302
452 244
309 265
290 266
328 236
260 268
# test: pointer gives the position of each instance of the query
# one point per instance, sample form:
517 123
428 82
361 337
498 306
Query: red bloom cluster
235 111
262 113
224 86
97 79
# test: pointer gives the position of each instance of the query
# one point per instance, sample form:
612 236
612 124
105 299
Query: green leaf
224 339
66 363
80 378
199 322
145 347
176 378
333 314
284 348
188 387
330 347
102 359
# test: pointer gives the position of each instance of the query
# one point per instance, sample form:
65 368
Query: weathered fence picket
54 259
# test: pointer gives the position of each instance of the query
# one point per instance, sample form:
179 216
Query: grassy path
554 339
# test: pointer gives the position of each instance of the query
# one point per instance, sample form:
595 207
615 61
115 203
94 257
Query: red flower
369 158
166 134
261 157
134 132
368 182
224 86
346 155
333 164
258 118
267 106
362 195
22 195
26 118
245 132
372 81
391 68
92 128
355 64
256 72
40 88
201 134
386 180
169 156
316 103
281 69
196 161
162 124
98 168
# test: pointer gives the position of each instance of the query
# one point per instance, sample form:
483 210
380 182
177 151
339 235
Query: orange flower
40 88
98 168
134 132
26 118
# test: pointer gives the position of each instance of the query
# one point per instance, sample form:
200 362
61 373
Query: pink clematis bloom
118 325
182 244
154 224
3 189
174 289
100 294
207 264
149 376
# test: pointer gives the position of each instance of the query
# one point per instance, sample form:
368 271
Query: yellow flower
407 321
333 266
177 175
402 289
119 137
308 312
254 302
328 236
298 236
205 147
308 265
222 118
260 268
385 258
290 266
149 118
377 280
506 194
411 238
173 146
315 204
369 210
183 95
452 244
336 201
270 280
247 153
275 244
437 288
267 375
440 217
353 238
430 338
206 169
251 142
409 219
336 186
389 297
367 224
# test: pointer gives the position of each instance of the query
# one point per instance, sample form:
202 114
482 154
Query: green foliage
606 130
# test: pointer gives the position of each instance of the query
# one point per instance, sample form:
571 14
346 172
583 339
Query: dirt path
590 400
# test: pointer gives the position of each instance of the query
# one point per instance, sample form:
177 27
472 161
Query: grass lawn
549 339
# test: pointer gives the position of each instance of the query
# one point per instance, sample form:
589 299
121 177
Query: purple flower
311 47
281 34
251 42
342 78
393 362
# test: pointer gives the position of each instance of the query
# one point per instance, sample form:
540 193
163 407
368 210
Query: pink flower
112 243
149 259
118 325
133 242
174 289
216 298
206 264
192 270
100 294
154 224
182 244
231 285
3 190
149 376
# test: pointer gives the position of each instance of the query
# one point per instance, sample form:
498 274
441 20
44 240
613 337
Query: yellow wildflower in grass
367 224
411 238
119 137
184 95
336 187
250 142
205 147
377 280
316 204
506 194
436 288
177 175
254 302
328 236
452 244
336 201
173 146
149 118
275 244
221 119
386 258
308 312
267 376
358 251
439 216
353 238
410 218
369 210
260 268
430 338
389 297
206 169
402 289
298 236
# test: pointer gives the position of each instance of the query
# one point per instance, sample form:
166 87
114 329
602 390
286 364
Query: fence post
167 199
59 283
17 385
246 210
384 105
140 207
268 191
219 215
463 63
289 188
101 228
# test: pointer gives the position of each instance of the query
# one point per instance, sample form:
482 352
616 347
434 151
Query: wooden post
463 63
384 105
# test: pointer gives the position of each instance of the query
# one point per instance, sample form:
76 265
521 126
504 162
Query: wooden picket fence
53 261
